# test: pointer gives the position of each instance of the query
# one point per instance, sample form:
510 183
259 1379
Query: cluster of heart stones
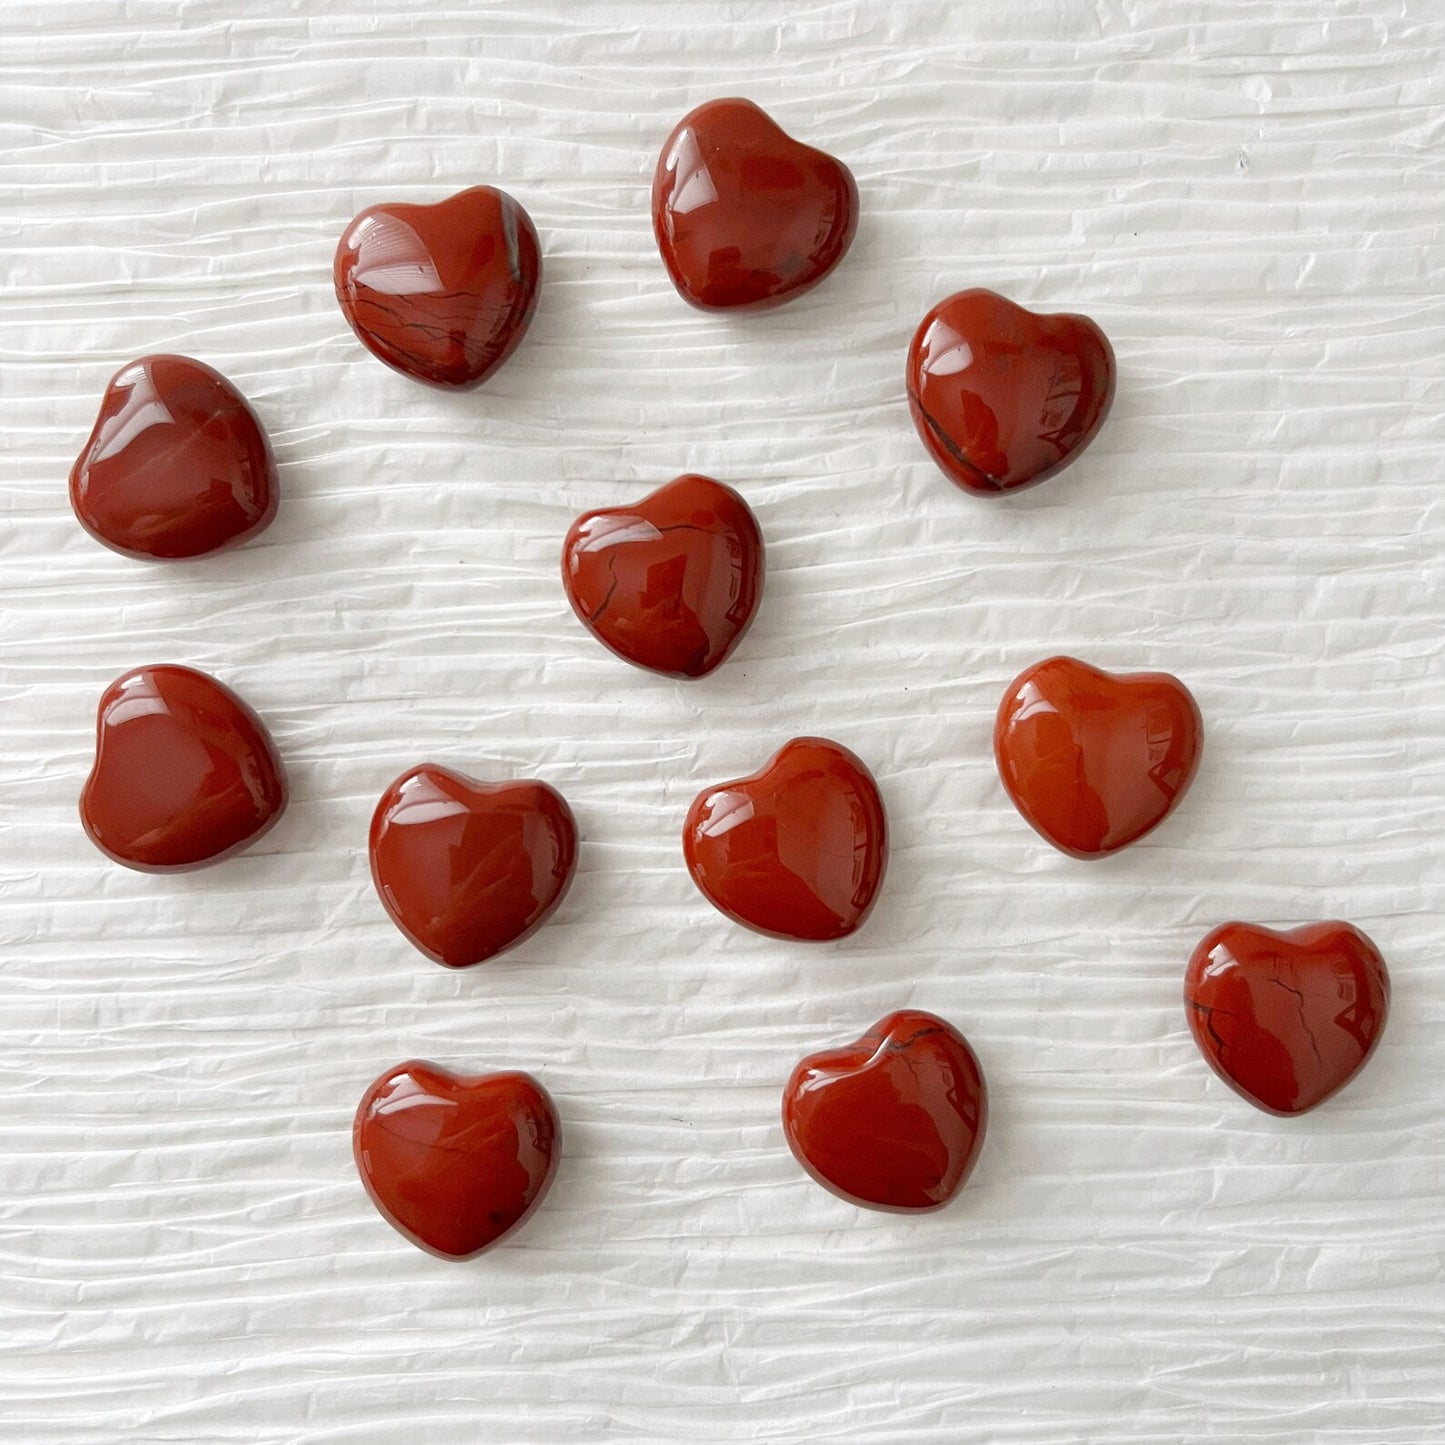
746 218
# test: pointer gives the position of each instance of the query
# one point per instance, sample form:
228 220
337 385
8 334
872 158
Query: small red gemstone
185 773
443 293
177 464
467 869
1287 1019
1003 398
669 583
796 850
1092 760
894 1121
455 1163
745 216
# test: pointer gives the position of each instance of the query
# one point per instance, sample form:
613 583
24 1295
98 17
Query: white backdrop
1247 196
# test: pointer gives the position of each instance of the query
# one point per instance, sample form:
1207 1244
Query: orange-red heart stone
745 216
1003 398
1286 1019
796 850
185 773
894 1121
669 583
177 464
1092 760
455 1162
443 293
467 869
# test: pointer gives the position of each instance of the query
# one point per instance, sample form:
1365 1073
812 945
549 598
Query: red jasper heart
894 1121
669 583
1286 1019
177 464
454 1162
185 773
745 216
1003 398
1092 760
797 850
467 869
442 293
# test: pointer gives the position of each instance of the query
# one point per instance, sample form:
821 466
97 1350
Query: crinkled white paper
1247 195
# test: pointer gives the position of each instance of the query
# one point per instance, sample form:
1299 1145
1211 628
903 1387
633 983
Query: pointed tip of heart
746 217
1287 1018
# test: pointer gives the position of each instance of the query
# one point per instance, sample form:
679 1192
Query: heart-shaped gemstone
177 464
745 216
185 773
443 293
1286 1019
796 850
1004 398
455 1162
468 869
1092 760
894 1121
669 583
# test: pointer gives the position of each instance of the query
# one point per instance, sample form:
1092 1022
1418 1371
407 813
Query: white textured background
1248 196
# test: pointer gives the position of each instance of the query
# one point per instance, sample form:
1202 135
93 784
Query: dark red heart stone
1286 1019
185 773
443 293
1004 398
177 464
455 1162
894 1121
669 583
468 870
745 216
796 850
1092 760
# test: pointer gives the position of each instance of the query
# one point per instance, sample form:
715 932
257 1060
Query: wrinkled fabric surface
1246 195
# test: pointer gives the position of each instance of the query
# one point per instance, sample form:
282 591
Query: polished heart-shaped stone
1004 398
669 583
185 773
796 850
443 293
894 1121
745 216
468 869
455 1162
1286 1019
1092 760
177 465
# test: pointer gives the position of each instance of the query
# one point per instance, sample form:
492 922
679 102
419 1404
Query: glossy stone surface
1286 1019
1095 760
745 216
443 293
467 869
669 583
1003 398
455 1162
185 773
177 464
795 850
894 1121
